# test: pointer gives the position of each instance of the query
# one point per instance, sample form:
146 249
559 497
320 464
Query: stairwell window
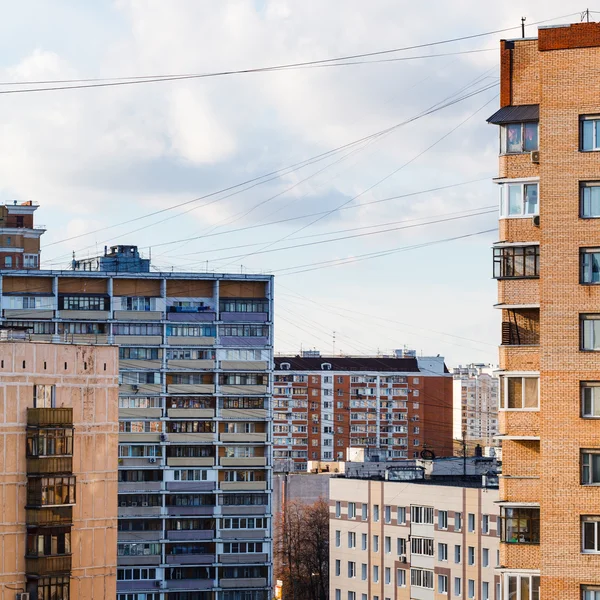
519 199
590 331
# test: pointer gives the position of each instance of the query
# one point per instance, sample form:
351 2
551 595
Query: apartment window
387 544
375 543
590 592
388 514
375 573
471 555
365 511
351 539
376 513
56 542
30 261
590 532
485 557
387 575
421 546
338 594
520 525
590 399
338 567
590 467
520 393
589 206
522 587
244 305
421 514
519 199
471 588
442 584
457 521
338 538
8 261
485 591
401 577
351 595
443 519
457 586
338 509
589 265
401 546
421 578
401 514
54 587
364 571
471 519
50 442
351 510
517 138
513 262
442 552
44 396
590 331
485 524
589 132
457 551
364 541
351 569
83 302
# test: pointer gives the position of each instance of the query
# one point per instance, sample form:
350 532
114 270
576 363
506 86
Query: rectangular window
485 557
388 514
44 396
520 525
387 575
421 578
365 511
590 399
442 552
376 513
457 586
589 265
471 555
351 569
421 514
421 546
471 518
471 588
519 393
338 509
387 544
351 539
590 533
401 577
457 551
364 571
351 595
400 546
589 132
364 541
338 594
375 573
401 514
338 538
485 591
485 524
351 510
590 467
514 262
375 543
338 567
590 331
522 587
590 592
443 519
589 204
519 200
442 584
517 138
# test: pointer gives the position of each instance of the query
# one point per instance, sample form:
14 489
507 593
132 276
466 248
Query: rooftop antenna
585 15
523 19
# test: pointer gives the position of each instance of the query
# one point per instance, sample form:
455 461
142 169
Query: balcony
49 464
47 565
50 417
521 327
190 559
243 583
44 517
190 535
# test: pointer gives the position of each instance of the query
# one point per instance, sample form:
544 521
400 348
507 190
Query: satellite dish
427 454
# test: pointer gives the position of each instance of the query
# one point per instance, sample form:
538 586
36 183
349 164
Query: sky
415 205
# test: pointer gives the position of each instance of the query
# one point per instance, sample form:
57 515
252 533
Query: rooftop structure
19 238
120 259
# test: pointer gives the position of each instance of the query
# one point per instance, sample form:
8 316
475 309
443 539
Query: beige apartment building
547 265
58 469
395 535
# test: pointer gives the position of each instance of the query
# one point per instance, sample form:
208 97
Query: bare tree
303 551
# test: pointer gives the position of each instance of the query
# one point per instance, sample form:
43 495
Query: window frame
593 118
583 318
504 203
595 519
583 185
505 261
504 391
593 401
583 269
520 514
591 453
504 138
518 577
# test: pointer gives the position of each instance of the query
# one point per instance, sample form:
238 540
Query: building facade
393 407
546 263
476 390
194 453
412 539
58 470
19 238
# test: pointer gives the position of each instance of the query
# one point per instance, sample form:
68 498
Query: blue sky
95 158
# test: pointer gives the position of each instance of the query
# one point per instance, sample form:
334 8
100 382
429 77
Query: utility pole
523 19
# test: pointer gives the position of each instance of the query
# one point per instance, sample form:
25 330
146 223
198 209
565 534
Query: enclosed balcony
44 566
50 417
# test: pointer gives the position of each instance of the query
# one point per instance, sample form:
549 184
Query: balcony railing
49 464
49 417
42 517
47 565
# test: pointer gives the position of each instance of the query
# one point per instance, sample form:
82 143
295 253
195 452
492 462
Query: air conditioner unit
152 459
22 596
160 584
163 437
403 558
133 504
536 220
144 504
535 156
135 387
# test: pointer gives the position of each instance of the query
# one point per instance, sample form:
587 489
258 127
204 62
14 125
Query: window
338 538
55 588
471 518
443 519
589 265
400 546
365 511
457 551
137 303
376 513
485 524
516 261
457 586
387 575
338 509
591 592
590 331
590 533
516 138
138 549
351 569
8 261
589 203
421 546
50 491
375 543
136 329
30 261
471 555
387 544
442 551
590 467
485 557
590 399
442 584
351 595
135 574
337 567
457 521
243 331
401 577
520 393
388 514
471 588
589 132
520 525
519 199
364 541
351 510
401 514
421 514
421 578
53 542
375 573
522 587
138 353
364 573
245 305
44 396
485 591
83 302
351 539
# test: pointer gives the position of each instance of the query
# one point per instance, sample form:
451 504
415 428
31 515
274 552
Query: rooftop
351 363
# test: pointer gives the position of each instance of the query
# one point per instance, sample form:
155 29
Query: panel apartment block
412 540
194 454
547 265
58 470
394 407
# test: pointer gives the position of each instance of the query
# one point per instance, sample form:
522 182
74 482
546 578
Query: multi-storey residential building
394 407
19 239
195 353
475 403
397 535
546 263
58 469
